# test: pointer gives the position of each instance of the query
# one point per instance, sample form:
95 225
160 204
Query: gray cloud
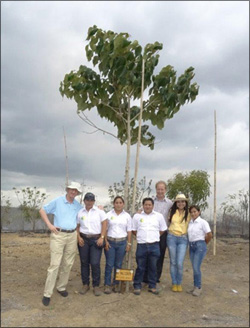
42 41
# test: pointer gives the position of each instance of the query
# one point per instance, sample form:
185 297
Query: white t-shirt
118 224
91 221
148 226
197 229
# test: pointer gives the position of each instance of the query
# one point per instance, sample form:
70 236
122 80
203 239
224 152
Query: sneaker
197 291
137 291
154 291
97 291
174 288
84 290
107 290
64 293
46 300
179 288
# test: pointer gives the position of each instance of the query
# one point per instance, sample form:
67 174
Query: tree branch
89 122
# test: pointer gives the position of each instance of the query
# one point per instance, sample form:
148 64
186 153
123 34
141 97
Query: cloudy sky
42 41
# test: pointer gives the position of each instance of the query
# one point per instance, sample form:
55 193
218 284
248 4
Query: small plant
30 200
5 209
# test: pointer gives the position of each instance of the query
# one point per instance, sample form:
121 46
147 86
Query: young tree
117 85
5 209
195 185
30 200
143 189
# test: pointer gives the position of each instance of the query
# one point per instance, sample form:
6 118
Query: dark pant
163 246
146 255
90 256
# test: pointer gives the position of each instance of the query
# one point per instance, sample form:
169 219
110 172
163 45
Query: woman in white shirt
199 235
118 241
91 229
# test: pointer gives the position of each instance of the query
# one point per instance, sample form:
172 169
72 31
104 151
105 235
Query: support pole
136 166
66 160
215 155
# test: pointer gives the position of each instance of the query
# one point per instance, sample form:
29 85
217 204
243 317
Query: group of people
161 223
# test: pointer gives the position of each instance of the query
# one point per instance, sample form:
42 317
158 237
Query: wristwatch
102 237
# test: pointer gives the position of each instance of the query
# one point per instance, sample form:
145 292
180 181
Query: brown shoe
97 291
137 291
107 290
154 291
84 290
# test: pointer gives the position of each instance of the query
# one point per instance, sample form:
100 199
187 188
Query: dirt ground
224 302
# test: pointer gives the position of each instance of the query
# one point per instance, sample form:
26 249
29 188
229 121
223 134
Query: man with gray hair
63 239
162 205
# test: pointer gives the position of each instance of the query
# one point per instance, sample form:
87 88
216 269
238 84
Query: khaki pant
63 248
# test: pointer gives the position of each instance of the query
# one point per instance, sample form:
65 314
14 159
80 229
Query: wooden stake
215 154
136 167
66 160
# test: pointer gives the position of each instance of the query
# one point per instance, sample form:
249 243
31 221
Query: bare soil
224 302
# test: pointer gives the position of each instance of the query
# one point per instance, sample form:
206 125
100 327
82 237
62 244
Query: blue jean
90 256
197 252
146 255
114 258
177 247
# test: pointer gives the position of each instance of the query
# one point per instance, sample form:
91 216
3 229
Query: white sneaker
197 291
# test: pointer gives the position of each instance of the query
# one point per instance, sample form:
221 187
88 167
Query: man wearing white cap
63 239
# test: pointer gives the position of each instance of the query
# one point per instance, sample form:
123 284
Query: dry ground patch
224 302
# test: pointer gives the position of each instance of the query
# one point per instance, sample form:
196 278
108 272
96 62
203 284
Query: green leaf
92 31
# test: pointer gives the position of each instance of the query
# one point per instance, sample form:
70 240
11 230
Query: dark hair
194 206
118 197
146 199
174 208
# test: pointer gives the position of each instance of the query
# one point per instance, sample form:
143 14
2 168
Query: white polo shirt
197 229
91 221
148 226
118 224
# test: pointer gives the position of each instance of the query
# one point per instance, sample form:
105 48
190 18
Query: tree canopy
116 83
195 185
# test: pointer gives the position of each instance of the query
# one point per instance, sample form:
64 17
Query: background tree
143 189
31 201
195 185
5 209
118 84
235 211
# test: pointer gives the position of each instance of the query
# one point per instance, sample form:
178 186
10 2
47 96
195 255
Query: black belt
63 230
117 239
155 242
90 236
